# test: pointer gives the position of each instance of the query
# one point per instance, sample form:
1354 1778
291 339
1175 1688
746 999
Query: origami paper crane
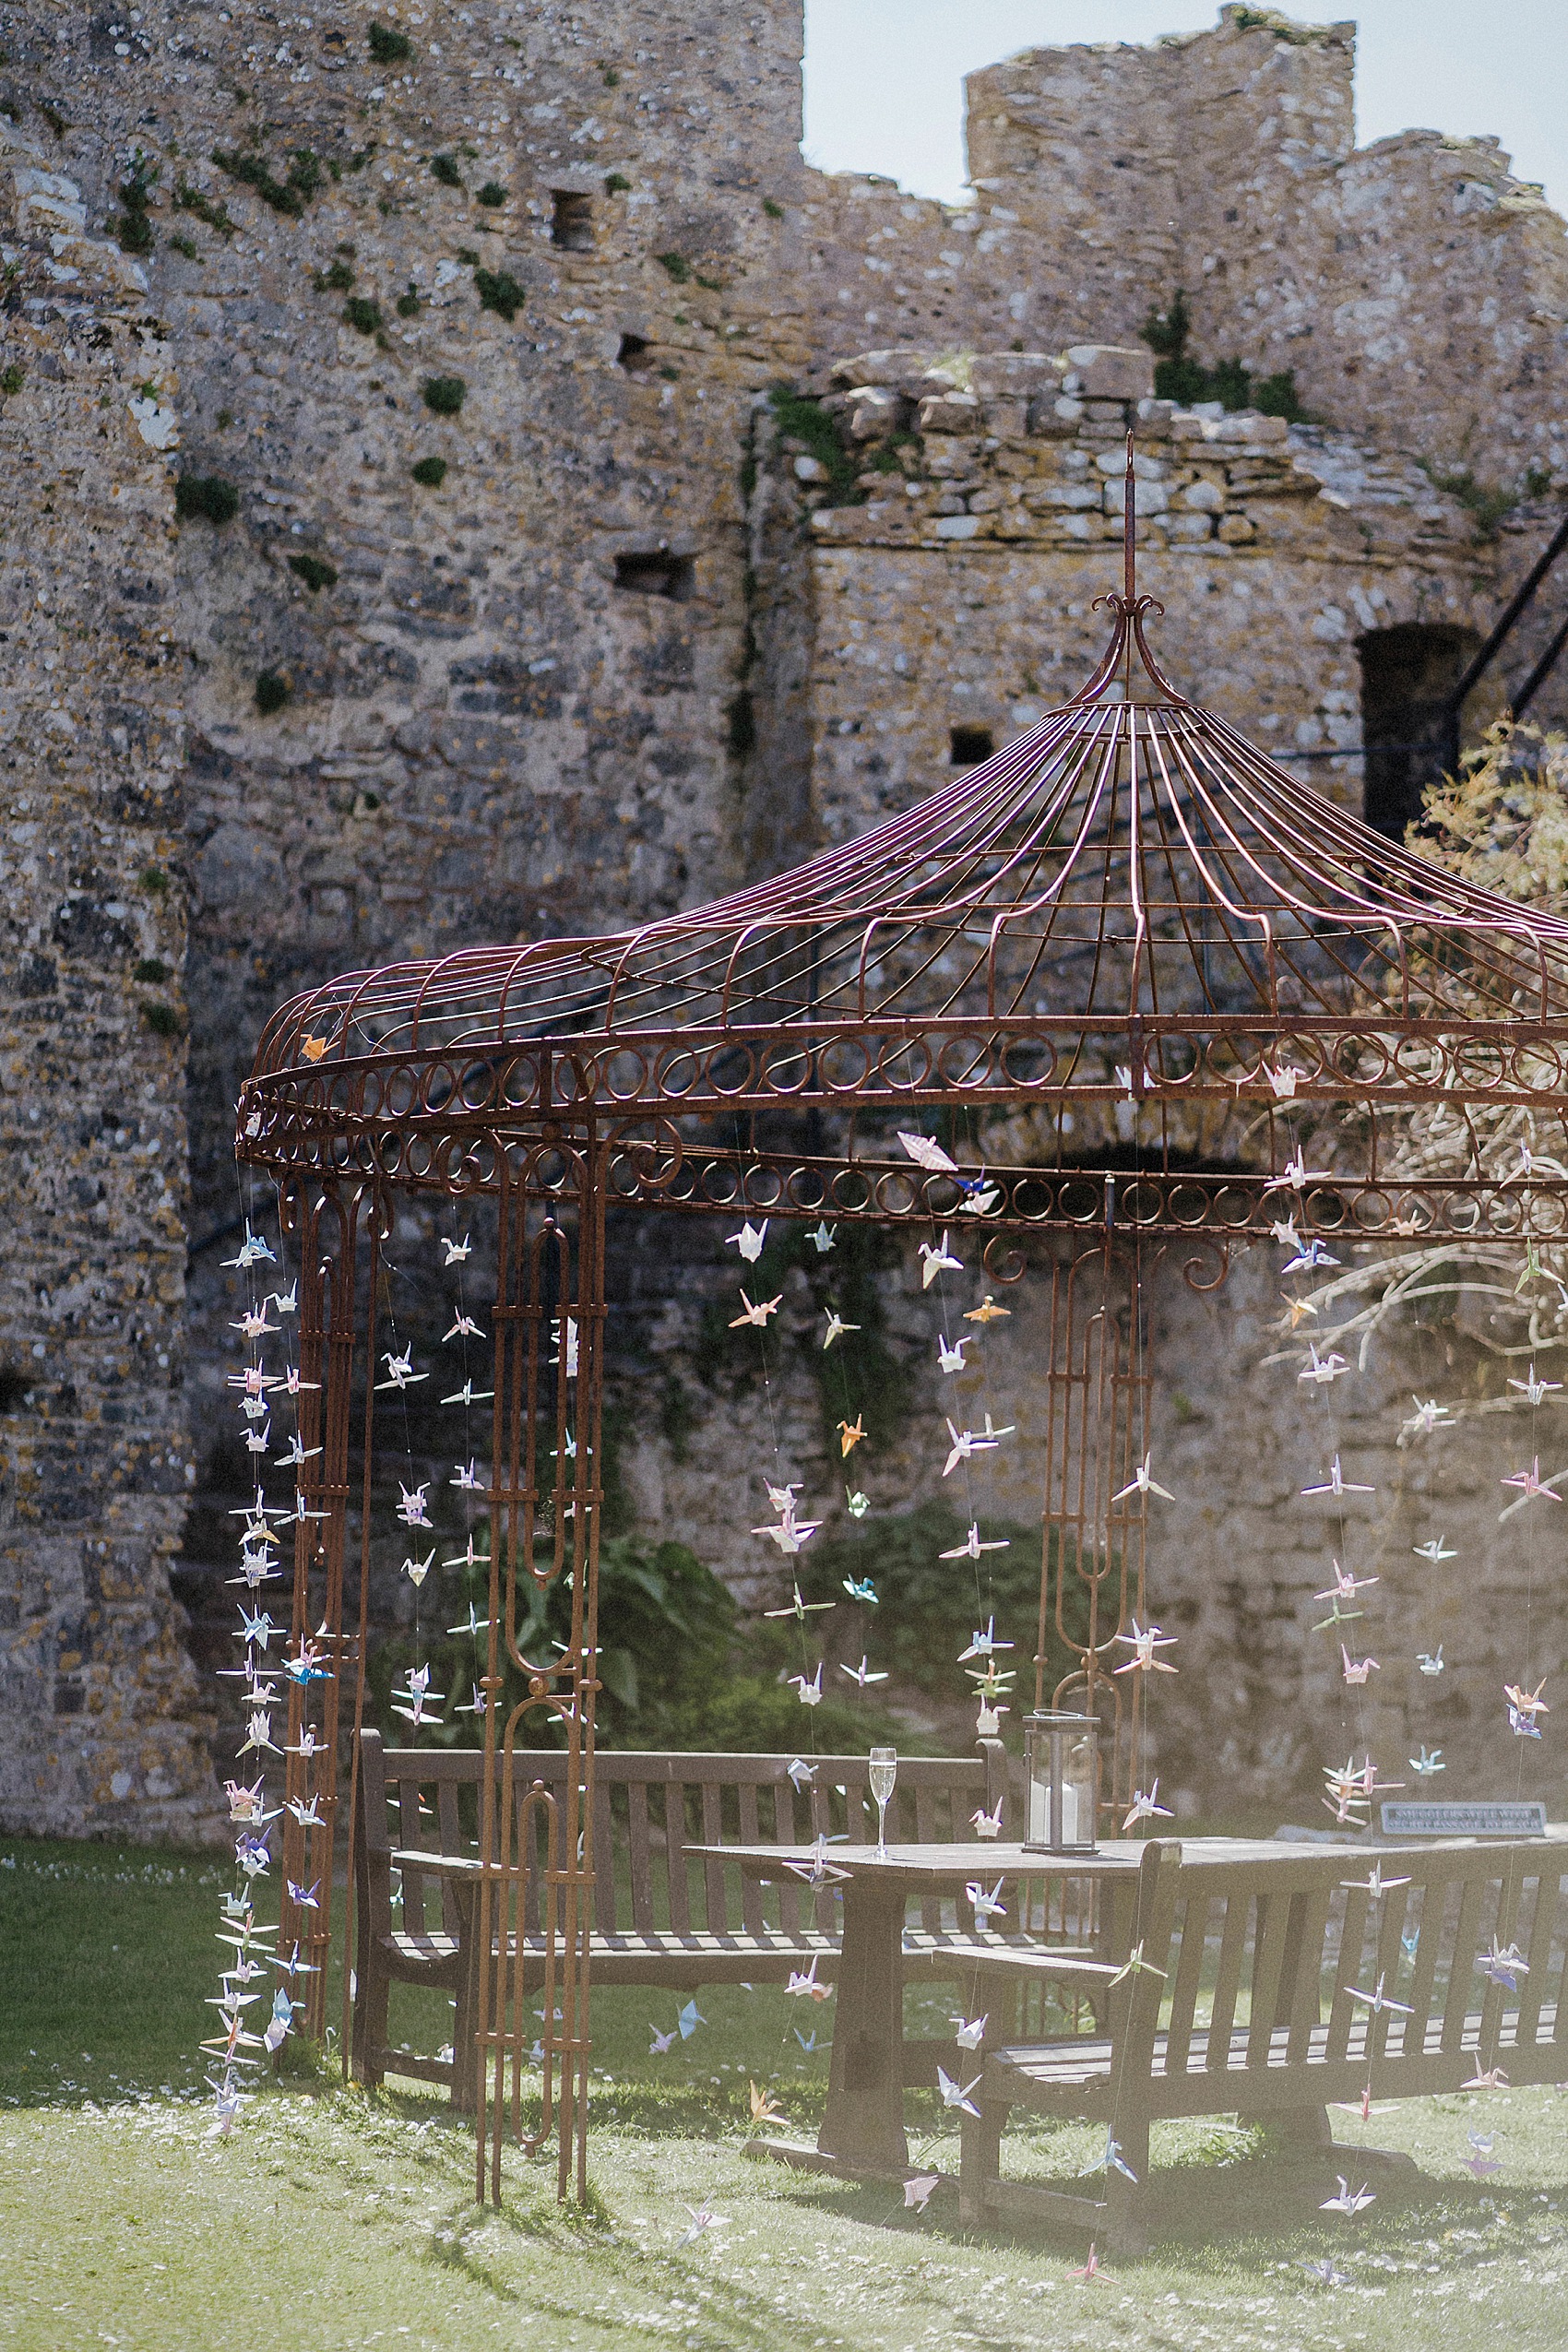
661 2043
1357 1670
257 1631
1377 2000
987 1311
807 1986
837 1327
309 1743
957 2094
749 1240
808 2042
1090 2272
950 1358
790 1535
401 1372
799 1609
309 1816
1337 1616
1480 2163
689 2020
1295 1176
1433 1551
937 1261
456 1253
1323 1371
984 1643
993 1436
1527 1703
570 1354
862 1588
417 1571
412 1510
849 1435
764 2109
1534 1389
1283 1080
917 2188
416 1704
703 2217
1337 1483
1146 1808
988 1825
306 1666
1430 1661
985 1907
1377 1886
1324 2273
465 1476
971 2031
861 1675
253 1323
1428 1415
810 1693
1297 1311
1349 2201
801 1773
816 1870
259 1734
1310 1256
1503 1968
965 1444
247 1805
1428 1761
464 1328
758 1314
468 1395
857 1505
253 1251
298 1453
1142 1483
1491 2078
305 1896
821 1239
294 1386
280 2022
1345 1586
1144 1644
1136 1965
971 1549
1530 1484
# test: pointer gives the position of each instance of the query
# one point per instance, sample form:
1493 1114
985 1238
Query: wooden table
862 2133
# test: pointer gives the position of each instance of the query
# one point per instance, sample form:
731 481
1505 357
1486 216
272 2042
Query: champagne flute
884 1779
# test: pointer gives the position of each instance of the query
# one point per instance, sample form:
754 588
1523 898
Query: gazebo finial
1129 531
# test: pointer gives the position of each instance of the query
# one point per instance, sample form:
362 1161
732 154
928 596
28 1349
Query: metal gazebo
1187 968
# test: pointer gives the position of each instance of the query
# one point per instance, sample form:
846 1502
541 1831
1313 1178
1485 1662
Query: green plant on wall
1180 377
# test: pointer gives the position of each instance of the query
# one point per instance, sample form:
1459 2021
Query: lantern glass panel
1062 1763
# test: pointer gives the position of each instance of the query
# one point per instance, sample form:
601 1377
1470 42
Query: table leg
863 2121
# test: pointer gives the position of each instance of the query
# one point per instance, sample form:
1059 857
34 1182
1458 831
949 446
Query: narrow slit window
968 745
657 572
571 221
635 354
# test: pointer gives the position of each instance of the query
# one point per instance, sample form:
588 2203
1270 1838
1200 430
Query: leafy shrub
334 281
12 379
133 229
444 394
161 1019
680 268
445 169
407 304
191 199
616 183
207 494
386 47
361 313
289 196
430 473
314 570
271 693
499 291
150 971
1179 376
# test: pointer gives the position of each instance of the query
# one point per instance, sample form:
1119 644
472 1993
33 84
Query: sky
883 77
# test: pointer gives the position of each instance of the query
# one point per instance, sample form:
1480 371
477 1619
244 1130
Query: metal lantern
1063 1761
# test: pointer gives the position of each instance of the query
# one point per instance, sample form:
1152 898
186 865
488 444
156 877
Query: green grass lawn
329 2221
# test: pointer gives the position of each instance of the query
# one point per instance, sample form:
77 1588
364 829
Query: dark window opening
1407 675
968 745
635 354
656 574
571 221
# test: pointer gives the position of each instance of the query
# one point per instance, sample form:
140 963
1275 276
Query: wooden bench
662 1917
1292 1936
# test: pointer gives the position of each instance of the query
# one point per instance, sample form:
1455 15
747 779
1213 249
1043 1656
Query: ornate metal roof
1130 903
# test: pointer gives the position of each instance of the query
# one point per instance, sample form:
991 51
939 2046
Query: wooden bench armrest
459 1865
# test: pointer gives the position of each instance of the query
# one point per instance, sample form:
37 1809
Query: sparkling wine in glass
883 1781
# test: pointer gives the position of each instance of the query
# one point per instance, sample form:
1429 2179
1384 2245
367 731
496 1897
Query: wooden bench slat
637 1851
1228 1978
1344 2013
1537 1954
751 1835
1189 1969
1460 1974
606 1894
672 1801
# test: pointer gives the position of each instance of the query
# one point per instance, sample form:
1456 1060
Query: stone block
949 412
875 411
1110 372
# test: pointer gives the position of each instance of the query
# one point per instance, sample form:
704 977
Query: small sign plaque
1523 1820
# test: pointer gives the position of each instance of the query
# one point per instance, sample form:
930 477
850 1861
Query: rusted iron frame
566 1685
380 1232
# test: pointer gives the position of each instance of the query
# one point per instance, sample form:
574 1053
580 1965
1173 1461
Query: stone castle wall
99 1701
630 649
